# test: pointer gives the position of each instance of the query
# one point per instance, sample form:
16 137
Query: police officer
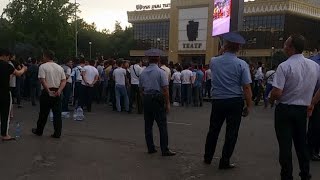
154 87
294 94
231 83
314 123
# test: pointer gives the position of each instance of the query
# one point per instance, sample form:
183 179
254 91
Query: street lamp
90 44
272 54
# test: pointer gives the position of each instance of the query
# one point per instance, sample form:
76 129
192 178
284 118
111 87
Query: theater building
183 29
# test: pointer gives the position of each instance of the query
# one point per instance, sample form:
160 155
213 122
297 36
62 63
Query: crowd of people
150 87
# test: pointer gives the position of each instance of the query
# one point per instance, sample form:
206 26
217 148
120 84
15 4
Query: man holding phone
53 80
230 83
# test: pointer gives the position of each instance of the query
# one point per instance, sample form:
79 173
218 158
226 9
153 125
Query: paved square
110 145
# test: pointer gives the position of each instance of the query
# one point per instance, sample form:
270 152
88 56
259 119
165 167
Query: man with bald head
230 85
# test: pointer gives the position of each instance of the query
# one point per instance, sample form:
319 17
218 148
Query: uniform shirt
269 76
208 75
76 72
297 78
186 76
90 74
198 79
120 76
6 70
152 79
52 73
176 77
167 70
229 74
135 71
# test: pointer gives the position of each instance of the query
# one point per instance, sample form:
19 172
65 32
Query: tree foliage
49 24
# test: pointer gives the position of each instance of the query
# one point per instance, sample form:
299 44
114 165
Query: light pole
76 28
272 54
90 44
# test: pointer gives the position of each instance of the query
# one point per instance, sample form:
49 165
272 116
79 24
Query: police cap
234 38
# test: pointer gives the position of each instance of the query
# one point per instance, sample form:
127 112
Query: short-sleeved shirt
208 75
6 70
259 74
67 71
152 79
176 77
229 74
198 78
186 76
167 70
297 78
135 71
269 76
90 74
120 76
76 72
52 73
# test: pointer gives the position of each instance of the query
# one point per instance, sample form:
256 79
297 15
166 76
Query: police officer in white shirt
135 71
53 80
293 87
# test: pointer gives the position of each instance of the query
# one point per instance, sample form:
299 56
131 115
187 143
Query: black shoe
152 151
55 136
35 131
227 166
169 153
315 157
206 161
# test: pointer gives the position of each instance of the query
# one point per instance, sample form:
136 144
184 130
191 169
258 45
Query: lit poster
221 17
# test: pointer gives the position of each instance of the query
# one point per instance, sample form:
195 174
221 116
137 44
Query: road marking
186 124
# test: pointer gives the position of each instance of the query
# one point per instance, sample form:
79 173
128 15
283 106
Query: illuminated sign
227 16
141 7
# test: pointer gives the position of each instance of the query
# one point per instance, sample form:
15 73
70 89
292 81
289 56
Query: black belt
54 89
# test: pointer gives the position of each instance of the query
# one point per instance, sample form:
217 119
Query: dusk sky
105 12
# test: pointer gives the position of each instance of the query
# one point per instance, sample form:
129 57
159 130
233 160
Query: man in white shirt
269 80
176 89
120 78
90 76
186 89
258 80
100 85
53 80
294 84
208 77
77 78
67 89
163 66
135 71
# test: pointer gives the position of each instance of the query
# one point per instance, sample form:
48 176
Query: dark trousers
100 95
135 97
314 130
19 83
66 97
154 110
112 93
5 104
76 95
291 124
229 110
208 88
34 91
86 94
186 94
197 93
48 103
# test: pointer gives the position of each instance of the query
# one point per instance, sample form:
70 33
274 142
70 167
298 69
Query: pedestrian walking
6 70
230 83
293 87
156 101
53 81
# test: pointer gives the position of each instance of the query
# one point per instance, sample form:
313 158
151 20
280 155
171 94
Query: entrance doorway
192 59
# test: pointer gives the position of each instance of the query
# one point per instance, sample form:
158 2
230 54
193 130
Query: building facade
266 25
